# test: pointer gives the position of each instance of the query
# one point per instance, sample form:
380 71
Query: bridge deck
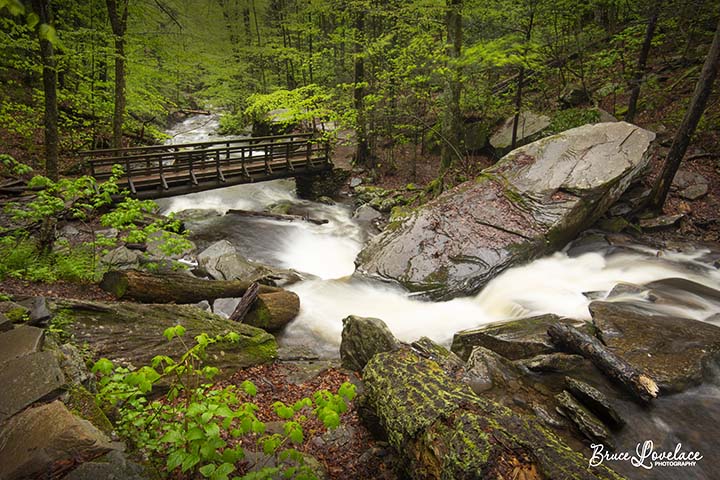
167 170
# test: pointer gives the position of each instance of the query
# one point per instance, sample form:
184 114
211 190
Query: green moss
82 403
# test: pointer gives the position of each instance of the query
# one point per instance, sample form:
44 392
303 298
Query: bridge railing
250 158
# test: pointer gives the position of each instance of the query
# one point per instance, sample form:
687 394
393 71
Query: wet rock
694 192
588 424
531 202
362 338
55 436
366 214
5 323
14 312
141 327
19 342
681 287
595 401
28 379
427 348
443 430
221 261
355 182
553 362
660 222
587 244
122 258
112 466
196 214
530 126
514 339
675 352
486 369
325 200
623 288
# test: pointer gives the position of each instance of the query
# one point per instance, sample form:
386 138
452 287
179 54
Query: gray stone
694 192
156 240
514 339
588 424
362 338
196 214
28 379
660 222
112 466
14 312
325 200
74 366
122 258
675 352
529 126
623 289
553 362
366 214
685 178
486 369
39 438
69 231
5 323
355 182
108 233
19 342
38 308
530 203
595 401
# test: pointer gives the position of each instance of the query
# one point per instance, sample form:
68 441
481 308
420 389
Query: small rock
28 379
69 231
362 338
624 288
355 182
620 209
19 342
39 438
122 258
112 466
662 221
588 424
553 362
685 178
38 308
196 214
325 200
14 312
366 214
486 369
694 192
108 233
594 400
5 323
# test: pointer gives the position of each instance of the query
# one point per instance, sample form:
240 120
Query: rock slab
28 379
19 342
34 441
532 202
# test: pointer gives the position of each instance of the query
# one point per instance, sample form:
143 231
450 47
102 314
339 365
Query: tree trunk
362 153
521 79
118 13
246 302
42 8
703 88
642 61
635 382
173 287
452 117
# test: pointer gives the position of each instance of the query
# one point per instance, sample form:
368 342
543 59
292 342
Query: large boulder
132 334
530 203
675 352
362 338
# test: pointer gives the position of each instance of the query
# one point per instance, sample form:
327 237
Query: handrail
247 140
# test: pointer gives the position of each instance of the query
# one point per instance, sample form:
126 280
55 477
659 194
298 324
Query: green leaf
194 433
347 391
330 419
174 460
208 470
104 366
258 427
190 461
249 388
32 19
223 471
173 436
212 430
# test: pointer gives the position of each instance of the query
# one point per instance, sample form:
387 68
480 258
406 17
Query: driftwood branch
277 216
637 383
246 302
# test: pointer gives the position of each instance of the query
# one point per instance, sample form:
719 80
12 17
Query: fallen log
173 287
441 429
277 216
635 382
272 311
246 302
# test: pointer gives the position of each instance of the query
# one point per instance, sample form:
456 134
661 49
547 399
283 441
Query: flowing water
563 283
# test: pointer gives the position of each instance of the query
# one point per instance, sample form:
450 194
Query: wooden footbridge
167 170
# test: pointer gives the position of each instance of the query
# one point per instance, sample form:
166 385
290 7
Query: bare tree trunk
703 88
642 61
118 13
42 8
521 79
452 116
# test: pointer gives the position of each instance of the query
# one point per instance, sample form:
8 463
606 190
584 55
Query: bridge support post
327 183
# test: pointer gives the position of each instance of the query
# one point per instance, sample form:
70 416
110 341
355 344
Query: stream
563 283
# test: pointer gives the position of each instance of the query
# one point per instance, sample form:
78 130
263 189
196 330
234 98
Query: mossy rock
82 403
443 430
132 334
15 312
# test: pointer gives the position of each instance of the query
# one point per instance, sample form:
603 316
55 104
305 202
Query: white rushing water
555 284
